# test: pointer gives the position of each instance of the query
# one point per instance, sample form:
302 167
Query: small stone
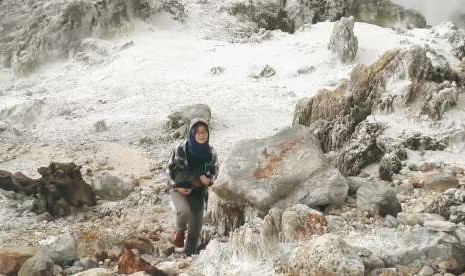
426 271
306 70
106 262
427 166
266 72
147 176
44 217
96 271
217 70
183 263
440 226
3 126
460 233
169 268
405 187
390 221
102 162
439 182
100 126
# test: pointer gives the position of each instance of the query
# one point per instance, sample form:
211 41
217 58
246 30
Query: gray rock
265 14
180 120
440 182
335 223
111 187
418 141
389 165
356 182
24 114
457 213
437 225
387 14
96 272
457 40
361 149
55 30
460 233
74 269
426 271
372 262
301 12
427 166
418 218
39 265
100 126
450 257
323 255
169 268
217 70
57 270
409 219
266 72
391 221
405 188
280 171
300 222
306 70
343 42
88 263
443 204
378 198
44 217
422 246
63 250
440 98
338 121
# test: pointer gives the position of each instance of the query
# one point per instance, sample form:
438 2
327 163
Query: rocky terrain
339 128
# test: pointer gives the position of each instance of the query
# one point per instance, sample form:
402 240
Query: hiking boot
178 241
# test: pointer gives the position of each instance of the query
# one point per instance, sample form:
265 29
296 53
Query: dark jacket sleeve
178 169
170 166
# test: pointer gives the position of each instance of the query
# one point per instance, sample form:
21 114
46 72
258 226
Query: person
192 168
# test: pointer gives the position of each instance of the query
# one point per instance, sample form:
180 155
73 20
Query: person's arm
176 171
212 172
171 164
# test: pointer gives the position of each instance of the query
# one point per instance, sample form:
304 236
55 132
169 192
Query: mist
437 11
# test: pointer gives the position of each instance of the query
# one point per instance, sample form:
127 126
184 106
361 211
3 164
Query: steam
436 11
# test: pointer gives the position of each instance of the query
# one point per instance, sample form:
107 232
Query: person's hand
184 191
196 183
205 180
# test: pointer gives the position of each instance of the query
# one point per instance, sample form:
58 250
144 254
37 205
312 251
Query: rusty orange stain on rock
272 160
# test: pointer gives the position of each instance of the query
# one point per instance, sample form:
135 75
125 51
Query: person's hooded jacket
183 167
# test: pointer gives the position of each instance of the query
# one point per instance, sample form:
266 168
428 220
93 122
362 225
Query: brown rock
11 262
427 166
129 263
143 244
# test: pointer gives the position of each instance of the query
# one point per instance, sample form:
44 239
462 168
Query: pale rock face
402 80
111 187
33 33
343 42
378 198
280 171
326 254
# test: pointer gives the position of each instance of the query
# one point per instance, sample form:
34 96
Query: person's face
201 134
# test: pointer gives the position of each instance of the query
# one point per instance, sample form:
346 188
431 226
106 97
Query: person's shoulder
180 148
